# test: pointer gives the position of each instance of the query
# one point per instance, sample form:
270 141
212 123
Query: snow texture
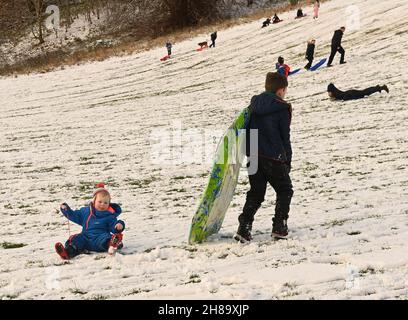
63 131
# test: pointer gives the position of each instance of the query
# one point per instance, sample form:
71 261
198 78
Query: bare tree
37 8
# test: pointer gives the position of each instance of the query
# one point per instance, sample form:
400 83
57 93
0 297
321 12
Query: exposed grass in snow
9 245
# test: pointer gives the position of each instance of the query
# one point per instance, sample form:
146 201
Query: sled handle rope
69 229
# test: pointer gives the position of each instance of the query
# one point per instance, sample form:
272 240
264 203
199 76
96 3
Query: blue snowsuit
97 228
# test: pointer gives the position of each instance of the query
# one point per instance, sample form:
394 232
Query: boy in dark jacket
336 46
310 53
271 116
101 230
337 94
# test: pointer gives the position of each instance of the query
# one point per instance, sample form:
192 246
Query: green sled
223 180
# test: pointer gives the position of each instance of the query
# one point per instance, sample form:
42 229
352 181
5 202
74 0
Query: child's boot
60 249
115 243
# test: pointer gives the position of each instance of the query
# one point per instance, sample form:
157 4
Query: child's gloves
64 207
120 226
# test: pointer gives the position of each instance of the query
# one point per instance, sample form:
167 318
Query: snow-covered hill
61 132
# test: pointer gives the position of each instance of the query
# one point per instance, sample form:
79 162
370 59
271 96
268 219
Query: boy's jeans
277 174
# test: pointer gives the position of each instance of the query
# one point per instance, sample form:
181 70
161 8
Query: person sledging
282 68
101 229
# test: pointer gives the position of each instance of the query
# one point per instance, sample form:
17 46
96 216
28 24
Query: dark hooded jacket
336 40
310 51
271 116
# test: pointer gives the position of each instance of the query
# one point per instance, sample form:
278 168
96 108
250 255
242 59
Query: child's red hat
100 188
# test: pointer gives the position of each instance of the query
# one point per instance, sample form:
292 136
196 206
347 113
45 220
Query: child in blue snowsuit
101 230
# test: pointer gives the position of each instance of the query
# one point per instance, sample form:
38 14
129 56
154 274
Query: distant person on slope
316 9
337 94
276 19
336 46
169 46
213 38
266 23
299 13
310 53
271 115
282 68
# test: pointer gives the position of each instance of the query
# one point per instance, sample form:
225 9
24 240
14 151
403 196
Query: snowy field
63 131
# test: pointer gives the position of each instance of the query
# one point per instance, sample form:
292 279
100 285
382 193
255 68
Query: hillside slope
66 130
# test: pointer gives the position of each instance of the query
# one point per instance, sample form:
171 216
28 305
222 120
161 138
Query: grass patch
177 190
9 297
194 278
46 170
9 245
140 183
137 291
99 297
336 223
77 291
370 270
182 177
308 166
85 189
373 30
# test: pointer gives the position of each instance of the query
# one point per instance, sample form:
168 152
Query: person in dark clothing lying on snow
266 23
337 94
271 116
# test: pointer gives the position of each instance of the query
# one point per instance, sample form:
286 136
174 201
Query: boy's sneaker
59 247
280 230
343 62
243 234
115 243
